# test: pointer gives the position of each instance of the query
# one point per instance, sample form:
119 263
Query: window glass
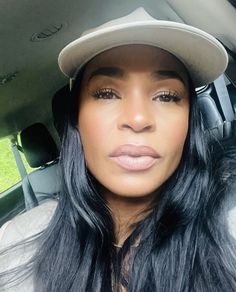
9 174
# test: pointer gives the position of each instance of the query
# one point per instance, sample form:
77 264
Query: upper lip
135 151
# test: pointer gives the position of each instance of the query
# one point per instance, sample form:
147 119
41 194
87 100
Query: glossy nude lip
135 157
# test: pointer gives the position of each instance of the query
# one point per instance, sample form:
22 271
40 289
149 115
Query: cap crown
139 14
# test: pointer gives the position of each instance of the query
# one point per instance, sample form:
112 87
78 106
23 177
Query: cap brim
203 56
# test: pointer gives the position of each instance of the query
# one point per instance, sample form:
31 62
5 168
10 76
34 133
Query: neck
126 212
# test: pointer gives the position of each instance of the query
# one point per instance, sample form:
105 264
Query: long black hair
184 243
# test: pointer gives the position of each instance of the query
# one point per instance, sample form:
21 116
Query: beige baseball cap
203 56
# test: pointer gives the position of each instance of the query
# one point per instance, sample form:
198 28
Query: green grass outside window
9 174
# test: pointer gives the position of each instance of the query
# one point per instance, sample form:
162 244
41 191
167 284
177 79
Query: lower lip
132 163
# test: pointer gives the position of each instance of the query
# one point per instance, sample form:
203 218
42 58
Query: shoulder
27 224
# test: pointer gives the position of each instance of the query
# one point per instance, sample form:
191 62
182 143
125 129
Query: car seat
217 108
40 152
212 119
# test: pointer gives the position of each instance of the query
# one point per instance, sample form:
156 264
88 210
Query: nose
137 115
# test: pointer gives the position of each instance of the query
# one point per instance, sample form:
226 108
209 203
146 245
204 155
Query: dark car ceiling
29 74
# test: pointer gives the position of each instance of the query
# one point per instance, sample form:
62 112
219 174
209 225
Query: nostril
138 127
137 117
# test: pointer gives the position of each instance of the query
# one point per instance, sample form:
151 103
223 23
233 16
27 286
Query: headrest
38 145
210 113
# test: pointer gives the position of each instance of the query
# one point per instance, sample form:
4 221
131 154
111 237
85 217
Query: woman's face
133 118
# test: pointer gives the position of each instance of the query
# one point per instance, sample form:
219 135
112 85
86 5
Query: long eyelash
104 93
174 97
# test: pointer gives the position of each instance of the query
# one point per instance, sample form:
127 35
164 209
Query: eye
105 93
167 96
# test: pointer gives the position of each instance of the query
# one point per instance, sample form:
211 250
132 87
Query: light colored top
18 229
34 221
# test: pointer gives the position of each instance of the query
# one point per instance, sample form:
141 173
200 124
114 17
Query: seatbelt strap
224 98
30 198
18 159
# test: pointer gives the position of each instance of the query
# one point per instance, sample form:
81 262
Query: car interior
33 91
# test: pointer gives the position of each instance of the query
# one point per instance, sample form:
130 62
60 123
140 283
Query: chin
135 185
132 190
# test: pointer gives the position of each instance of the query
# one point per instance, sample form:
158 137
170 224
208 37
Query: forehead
137 58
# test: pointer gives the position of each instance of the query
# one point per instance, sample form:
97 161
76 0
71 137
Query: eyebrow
108 71
167 74
117 72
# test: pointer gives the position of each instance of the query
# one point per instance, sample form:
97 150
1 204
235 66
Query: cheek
95 130
174 132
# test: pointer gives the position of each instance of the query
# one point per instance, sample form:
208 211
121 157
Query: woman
144 202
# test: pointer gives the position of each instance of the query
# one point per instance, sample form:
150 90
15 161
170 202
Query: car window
9 174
